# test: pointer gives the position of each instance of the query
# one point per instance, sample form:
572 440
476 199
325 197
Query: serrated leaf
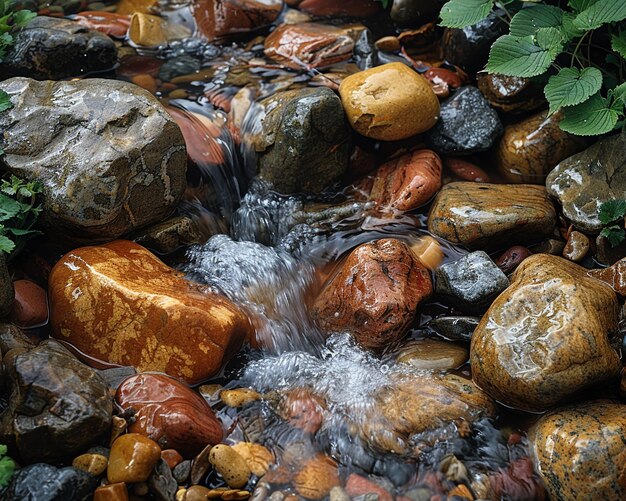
591 118
6 244
527 21
601 12
614 234
550 39
22 17
611 211
580 5
462 13
572 86
19 232
619 93
518 57
5 101
570 30
618 44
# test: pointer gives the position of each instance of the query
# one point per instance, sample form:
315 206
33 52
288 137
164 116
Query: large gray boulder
109 156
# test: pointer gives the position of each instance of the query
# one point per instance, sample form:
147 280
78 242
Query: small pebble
239 397
230 465
388 44
30 307
196 493
111 492
132 458
577 247
512 258
118 427
338 493
171 457
182 471
146 81
201 465
550 246
95 464
465 170
428 251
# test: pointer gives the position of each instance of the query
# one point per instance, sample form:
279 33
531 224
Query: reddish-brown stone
171 457
466 171
114 25
512 258
345 8
30 306
614 275
303 409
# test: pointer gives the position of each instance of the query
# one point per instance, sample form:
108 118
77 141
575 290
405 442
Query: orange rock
316 477
117 303
111 492
146 81
30 306
171 457
303 409
466 171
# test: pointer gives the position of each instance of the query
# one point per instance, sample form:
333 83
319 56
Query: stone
111 492
304 145
490 216
94 464
51 49
614 276
583 182
530 149
466 171
162 483
109 23
117 303
12 338
467 124
472 282
357 485
550 246
374 295
239 397
431 354
606 254
132 458
170 235
230 465
454 327
130 170
30 307
303 46
511 94
57 405
44 482
200 465
407 182
182 471
389 102
316 477
258 458
219 19
415 13
7 292
177 66
579 451
345 8
547 336
337 493
169 413
171 457
511 258
577 247
303 409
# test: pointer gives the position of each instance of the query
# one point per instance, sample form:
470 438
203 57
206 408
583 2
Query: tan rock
231 465
429 354
147 30
257 457
132 458
239 397
95 464
111 492
316 477
577 246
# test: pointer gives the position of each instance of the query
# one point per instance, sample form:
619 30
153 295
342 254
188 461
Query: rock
345 8
466 171
196 493
614 276
119 304
415 13
57 405
454 328
510 259
407 182
303 409
129 171
577 247
218 19
182 471
162 483
7 292
471 282
111 492
389 102
530 149
230 465
132 458
303 46
428 250
304 145
374 294
430 354
488 216
361 486
170 235
550 246
200 466
109 23
147 30
94 464
169 413
177 66
44 482
606 254
467 124
12 338
316 477
547 336
239 397
583 182
258 458
511 94
339 494
171 457
30 307
388 44
579 451
51 49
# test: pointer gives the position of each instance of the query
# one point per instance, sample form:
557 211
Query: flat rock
511 94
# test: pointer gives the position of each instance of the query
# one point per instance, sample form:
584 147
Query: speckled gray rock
454 328
583 182
109 156
44 482
467 124
53 48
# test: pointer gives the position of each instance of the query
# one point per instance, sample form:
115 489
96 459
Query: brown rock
577 247
303 409
30 307
580 451
196 493
345 8
614 275
95 464
510 94
374 294
466 171
132 458
407 182
231 465
239 397
488 216
257 457
510 259
111 492
546 337
119 304
359 486
389 102
429 354
109 23
171 457
316 477
169 413
388 44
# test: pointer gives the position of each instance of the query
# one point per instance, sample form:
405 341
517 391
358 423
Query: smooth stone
511 258
7 293
389 102
258 458
430 354
547 336
338 493
490 216
200 466
239 397
471 282
170 235
169 413
466 171
606 254
130 170
196 493
230 465
579 451
511 94
388 44
30 307
415 13
52 48
147 31
171 457
182 471
316 477
108 23
94 464
345 8
117 303
467 124
530 149
111 492
407 182
374 295
44 482
583 182
132 458
177 66
454 328
550 246
614 276
58 406
577 247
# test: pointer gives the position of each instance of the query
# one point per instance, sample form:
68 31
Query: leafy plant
19 212
7 467
610 213
10 21
579 44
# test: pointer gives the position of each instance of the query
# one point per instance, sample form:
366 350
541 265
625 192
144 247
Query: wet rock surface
614 276
45 482
511 94
429 354
414 12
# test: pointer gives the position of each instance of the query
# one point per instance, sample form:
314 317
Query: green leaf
614 234
580 5
601 12
519 57
20 233
8 207
6 244
611 211
618 44
572 86
570 30
550 39
619 93
5 101
22 17
7 467
527 21
591 118
462 13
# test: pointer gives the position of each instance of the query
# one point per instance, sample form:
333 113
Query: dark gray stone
365 53
161 482
53 48
181 65
182 471
44 482
415 12
467 124
471 282
454 328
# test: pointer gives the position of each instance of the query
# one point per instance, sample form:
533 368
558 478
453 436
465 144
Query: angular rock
454 328
111 492
415 12
129 170
467 124
44 482
170 235
118 304
511 94
579 451
305 141
52 48
57 405
547 336
614 276
374 294
577 246
489 216
583 182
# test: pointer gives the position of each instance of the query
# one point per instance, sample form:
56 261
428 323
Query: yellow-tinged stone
95 464
389 102
257 457
131 6
132 458
239 397
146 30
230 464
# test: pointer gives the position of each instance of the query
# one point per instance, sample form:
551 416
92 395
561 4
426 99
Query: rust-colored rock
171 457
132 458
344 8
111 492
374 294
114 25
511 94
303 409
510 259
119 304
614 275
407 182
466 171
30 306
316 477
577 246
169 413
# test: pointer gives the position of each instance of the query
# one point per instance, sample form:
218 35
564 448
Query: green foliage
520 55
610 213
386 3
11 21
19 212
461 13
572 86
7 467
614 234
